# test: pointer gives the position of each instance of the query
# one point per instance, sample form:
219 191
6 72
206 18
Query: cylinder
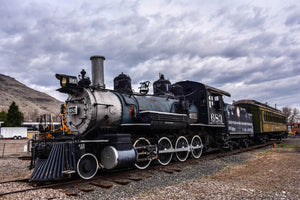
112 158
98 71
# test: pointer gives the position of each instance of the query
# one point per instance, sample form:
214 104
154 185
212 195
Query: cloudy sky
249 48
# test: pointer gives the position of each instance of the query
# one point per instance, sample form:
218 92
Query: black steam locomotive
119 128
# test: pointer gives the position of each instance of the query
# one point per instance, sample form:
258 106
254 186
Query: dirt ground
271 174
13 168
10 166
274 170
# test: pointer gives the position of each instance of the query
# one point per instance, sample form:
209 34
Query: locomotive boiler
115 128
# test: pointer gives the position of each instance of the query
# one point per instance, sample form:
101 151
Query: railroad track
24 157
15 180
123 177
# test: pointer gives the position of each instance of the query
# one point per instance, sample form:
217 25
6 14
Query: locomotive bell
98 71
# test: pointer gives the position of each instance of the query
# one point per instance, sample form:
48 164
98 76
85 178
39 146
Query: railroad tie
83 188
70 193
133 178
167 171
121 182
176 169
101 184
145 176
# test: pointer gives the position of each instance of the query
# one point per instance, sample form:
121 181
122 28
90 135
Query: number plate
72 110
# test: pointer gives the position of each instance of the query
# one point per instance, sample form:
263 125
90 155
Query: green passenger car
268 122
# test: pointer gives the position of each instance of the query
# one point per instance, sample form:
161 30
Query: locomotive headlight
63 82
66 80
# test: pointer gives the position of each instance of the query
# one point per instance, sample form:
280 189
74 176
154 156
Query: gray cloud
250 49
293 19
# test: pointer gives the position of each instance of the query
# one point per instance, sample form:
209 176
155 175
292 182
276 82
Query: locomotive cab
215 108
208 100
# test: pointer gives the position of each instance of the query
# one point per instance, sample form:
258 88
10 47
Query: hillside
31 103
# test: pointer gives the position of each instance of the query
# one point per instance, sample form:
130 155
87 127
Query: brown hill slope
31 103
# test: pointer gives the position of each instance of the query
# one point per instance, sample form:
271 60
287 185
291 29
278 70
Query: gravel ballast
261 174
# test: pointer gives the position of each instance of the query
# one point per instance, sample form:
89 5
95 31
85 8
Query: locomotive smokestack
98 71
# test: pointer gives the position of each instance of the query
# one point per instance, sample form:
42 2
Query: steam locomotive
109 129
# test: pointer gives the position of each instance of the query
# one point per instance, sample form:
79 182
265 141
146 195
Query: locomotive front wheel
164 148
87 166
196 147
143 153
182 148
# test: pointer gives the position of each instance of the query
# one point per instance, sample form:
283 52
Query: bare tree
287 111
295 115
292 115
